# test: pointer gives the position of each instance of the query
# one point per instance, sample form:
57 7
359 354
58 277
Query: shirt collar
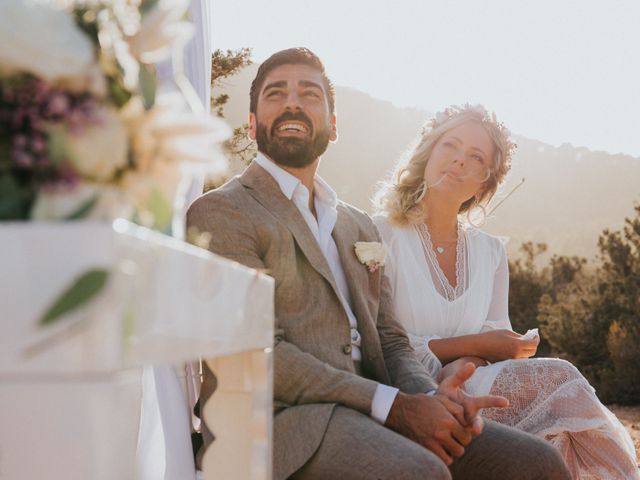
284 179
288 183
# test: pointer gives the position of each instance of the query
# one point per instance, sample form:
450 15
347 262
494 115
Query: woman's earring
479 216
421 191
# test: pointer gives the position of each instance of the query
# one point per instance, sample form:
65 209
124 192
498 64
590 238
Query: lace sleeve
424 353
498 315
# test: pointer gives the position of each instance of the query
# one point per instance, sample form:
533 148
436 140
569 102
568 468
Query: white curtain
164 446
197 68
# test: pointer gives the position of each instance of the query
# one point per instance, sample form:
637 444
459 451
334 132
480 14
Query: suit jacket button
346 349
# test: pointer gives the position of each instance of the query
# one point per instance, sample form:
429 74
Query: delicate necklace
438 245
441 245
442 284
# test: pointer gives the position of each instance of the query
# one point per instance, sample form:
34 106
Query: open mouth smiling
290 127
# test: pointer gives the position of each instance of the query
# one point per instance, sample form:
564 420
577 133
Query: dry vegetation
630 418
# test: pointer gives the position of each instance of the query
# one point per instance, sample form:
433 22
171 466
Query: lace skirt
550 398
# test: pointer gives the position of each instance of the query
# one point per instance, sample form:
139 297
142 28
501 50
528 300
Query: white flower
152 193
98 151
101 202
160 29
169 132
43 41
371 254
441 117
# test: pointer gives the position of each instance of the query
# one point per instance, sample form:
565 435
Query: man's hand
451 387
452 367
497 345
431 421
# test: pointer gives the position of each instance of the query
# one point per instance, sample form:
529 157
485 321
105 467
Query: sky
554 70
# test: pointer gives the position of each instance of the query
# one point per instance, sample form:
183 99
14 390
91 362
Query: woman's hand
452 367
497 345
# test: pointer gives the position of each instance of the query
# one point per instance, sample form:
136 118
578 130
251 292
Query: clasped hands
446 422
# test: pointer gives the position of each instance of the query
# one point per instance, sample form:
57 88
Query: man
350 398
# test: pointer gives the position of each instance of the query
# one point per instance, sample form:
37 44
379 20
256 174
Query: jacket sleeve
405 369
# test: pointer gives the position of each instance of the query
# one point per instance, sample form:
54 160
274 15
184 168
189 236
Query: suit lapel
263 187
345 234
359 280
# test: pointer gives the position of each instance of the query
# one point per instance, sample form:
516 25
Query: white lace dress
548 397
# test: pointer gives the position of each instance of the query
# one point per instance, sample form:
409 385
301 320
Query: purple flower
58 104
20 141
22 158
38 143
27 105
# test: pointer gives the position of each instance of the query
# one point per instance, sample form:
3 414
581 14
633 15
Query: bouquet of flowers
84 131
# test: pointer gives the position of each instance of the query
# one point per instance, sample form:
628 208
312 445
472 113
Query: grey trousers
356 447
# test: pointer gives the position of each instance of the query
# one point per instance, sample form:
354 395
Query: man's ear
253 126
333 121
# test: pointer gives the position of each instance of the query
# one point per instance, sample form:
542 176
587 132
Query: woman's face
460 162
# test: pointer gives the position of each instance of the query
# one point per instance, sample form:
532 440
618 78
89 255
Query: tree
619 288
528 284
223 65
595 322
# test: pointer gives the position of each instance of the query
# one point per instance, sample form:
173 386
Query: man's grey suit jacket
252 222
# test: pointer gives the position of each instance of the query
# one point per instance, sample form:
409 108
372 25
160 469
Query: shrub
594 319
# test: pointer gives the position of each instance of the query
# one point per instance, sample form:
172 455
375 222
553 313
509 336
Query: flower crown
481 114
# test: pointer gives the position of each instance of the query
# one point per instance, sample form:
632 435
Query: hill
570 194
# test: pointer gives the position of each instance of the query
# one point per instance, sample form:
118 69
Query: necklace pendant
440 249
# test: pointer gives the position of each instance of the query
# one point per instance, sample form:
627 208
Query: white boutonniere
371 254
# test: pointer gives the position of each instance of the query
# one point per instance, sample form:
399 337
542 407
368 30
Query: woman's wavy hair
400 197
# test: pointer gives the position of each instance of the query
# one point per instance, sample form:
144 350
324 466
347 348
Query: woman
451 289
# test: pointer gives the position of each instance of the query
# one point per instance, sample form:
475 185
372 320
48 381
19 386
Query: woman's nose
458 160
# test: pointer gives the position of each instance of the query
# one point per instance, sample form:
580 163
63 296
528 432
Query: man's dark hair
291 56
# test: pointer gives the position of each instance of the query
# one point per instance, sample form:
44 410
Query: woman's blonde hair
400 197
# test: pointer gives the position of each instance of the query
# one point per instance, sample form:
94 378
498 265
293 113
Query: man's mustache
288 116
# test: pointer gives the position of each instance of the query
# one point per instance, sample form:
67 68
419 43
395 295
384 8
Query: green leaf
161 210
57 144
15 200
84 288
147 5
119 94
147 80
83 209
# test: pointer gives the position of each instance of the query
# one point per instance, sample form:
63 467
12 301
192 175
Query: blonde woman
451 284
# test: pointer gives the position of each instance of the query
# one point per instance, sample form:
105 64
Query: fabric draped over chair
164 445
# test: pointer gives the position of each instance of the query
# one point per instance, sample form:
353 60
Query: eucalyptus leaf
161 210
5 158
83 289
147 80
57 144
15 200
84 209
147 5
119 94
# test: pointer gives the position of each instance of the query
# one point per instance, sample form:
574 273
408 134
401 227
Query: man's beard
289 151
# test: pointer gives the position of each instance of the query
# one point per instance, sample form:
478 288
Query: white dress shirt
325 202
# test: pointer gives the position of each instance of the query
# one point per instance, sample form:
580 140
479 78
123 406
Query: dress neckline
438 280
